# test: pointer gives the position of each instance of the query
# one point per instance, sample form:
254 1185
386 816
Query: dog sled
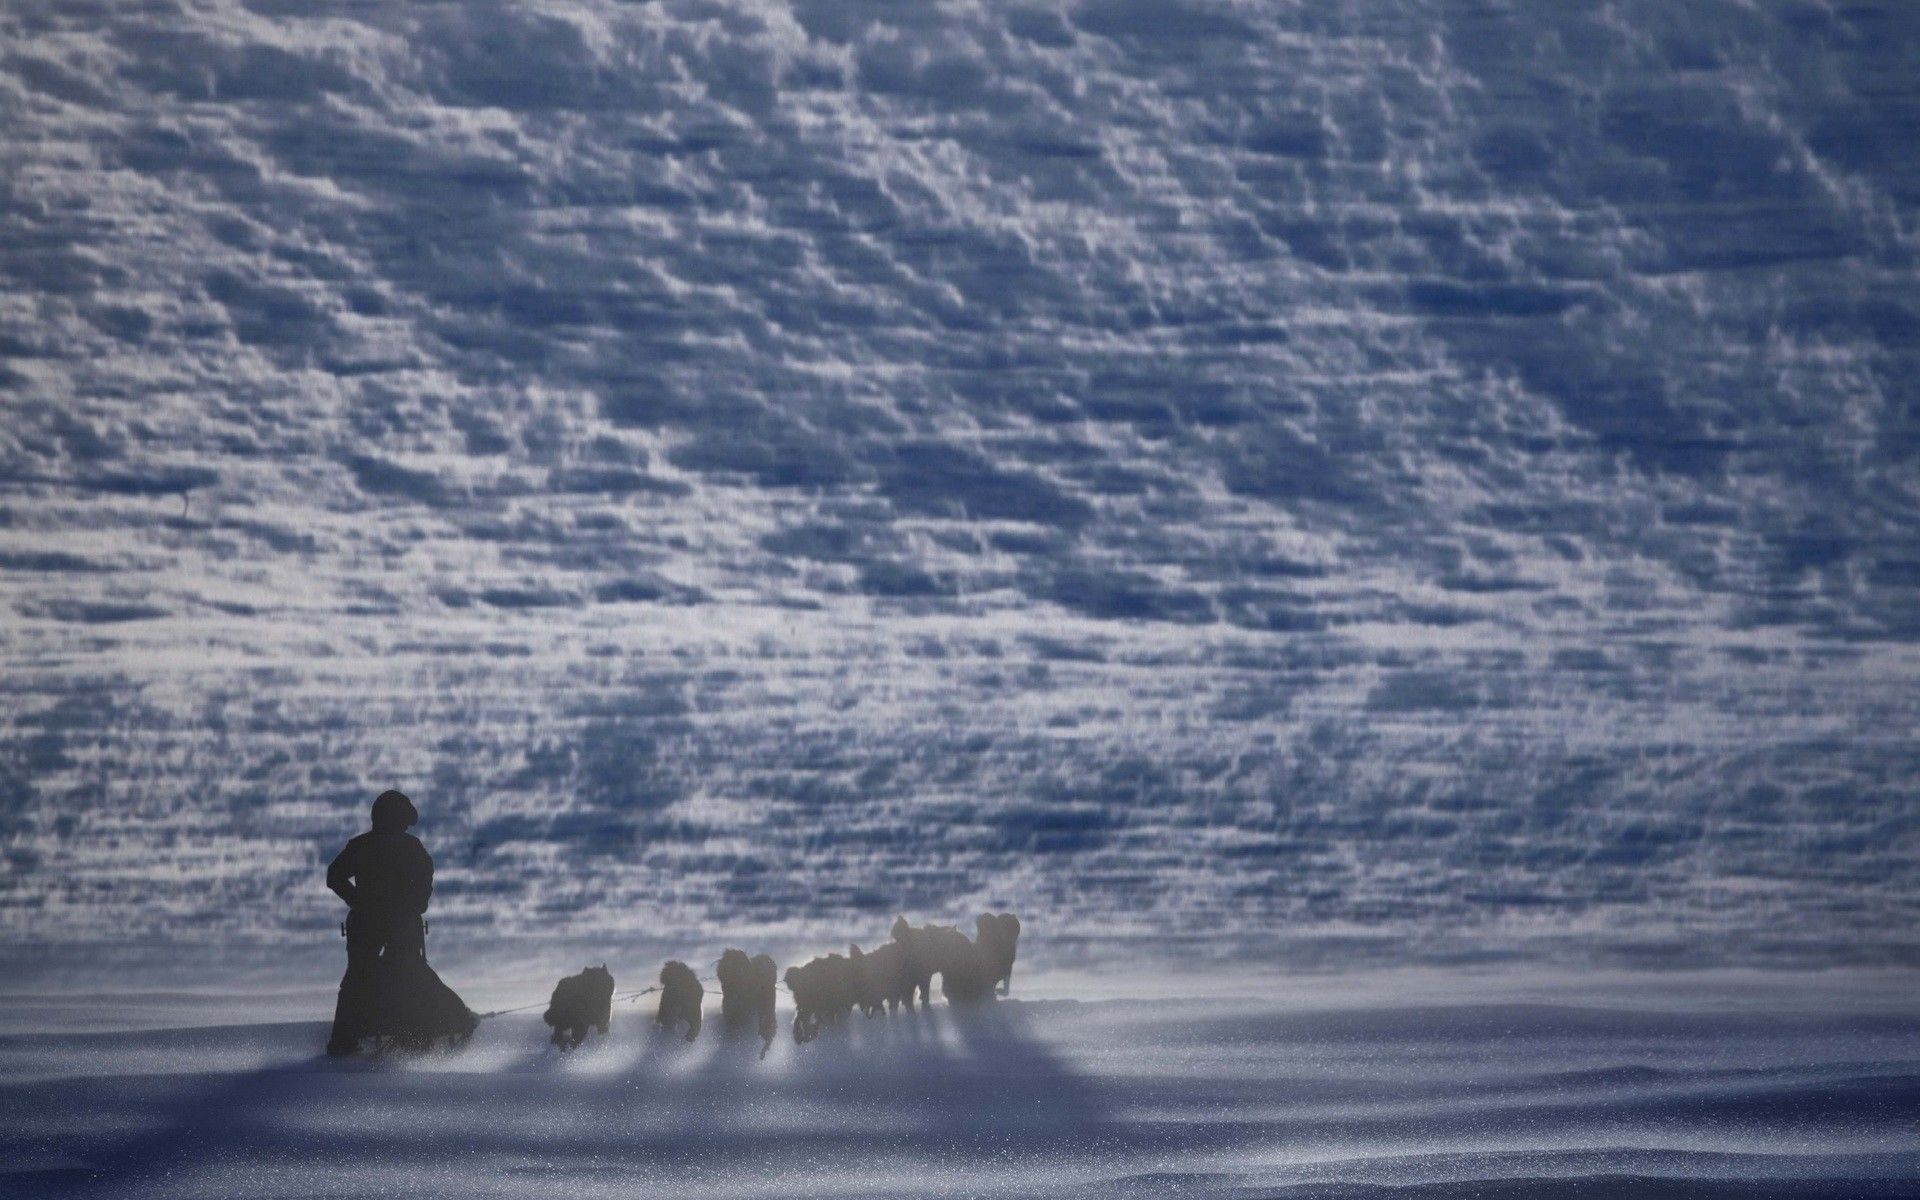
417 1011
398 1004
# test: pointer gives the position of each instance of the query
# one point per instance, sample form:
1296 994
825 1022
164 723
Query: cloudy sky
1318 482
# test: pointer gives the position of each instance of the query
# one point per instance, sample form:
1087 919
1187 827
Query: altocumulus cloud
1177 468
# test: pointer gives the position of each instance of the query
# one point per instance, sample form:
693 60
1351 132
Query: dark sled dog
681 995
580 1002
747 996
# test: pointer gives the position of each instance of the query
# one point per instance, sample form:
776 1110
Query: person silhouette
386 878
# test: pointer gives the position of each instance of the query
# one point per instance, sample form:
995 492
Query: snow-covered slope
1114 1099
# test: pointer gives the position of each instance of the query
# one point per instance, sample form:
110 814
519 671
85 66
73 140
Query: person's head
393 813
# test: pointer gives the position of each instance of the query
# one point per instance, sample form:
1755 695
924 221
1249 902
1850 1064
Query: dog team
825 990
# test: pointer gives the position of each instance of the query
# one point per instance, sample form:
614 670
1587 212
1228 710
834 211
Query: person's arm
423 881
340 874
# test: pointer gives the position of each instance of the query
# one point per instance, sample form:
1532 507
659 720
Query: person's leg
354 1011
407 937
405 996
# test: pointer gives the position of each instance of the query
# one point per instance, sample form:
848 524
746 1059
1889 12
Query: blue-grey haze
1331 481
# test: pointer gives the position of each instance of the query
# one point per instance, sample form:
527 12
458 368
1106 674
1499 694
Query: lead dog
999 939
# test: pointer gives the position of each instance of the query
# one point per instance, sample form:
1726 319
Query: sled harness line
501 1012
648 991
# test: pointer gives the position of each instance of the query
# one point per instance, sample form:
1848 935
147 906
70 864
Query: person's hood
394 813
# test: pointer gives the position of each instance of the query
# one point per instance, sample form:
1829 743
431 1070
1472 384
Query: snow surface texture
1367 480
1053 1099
